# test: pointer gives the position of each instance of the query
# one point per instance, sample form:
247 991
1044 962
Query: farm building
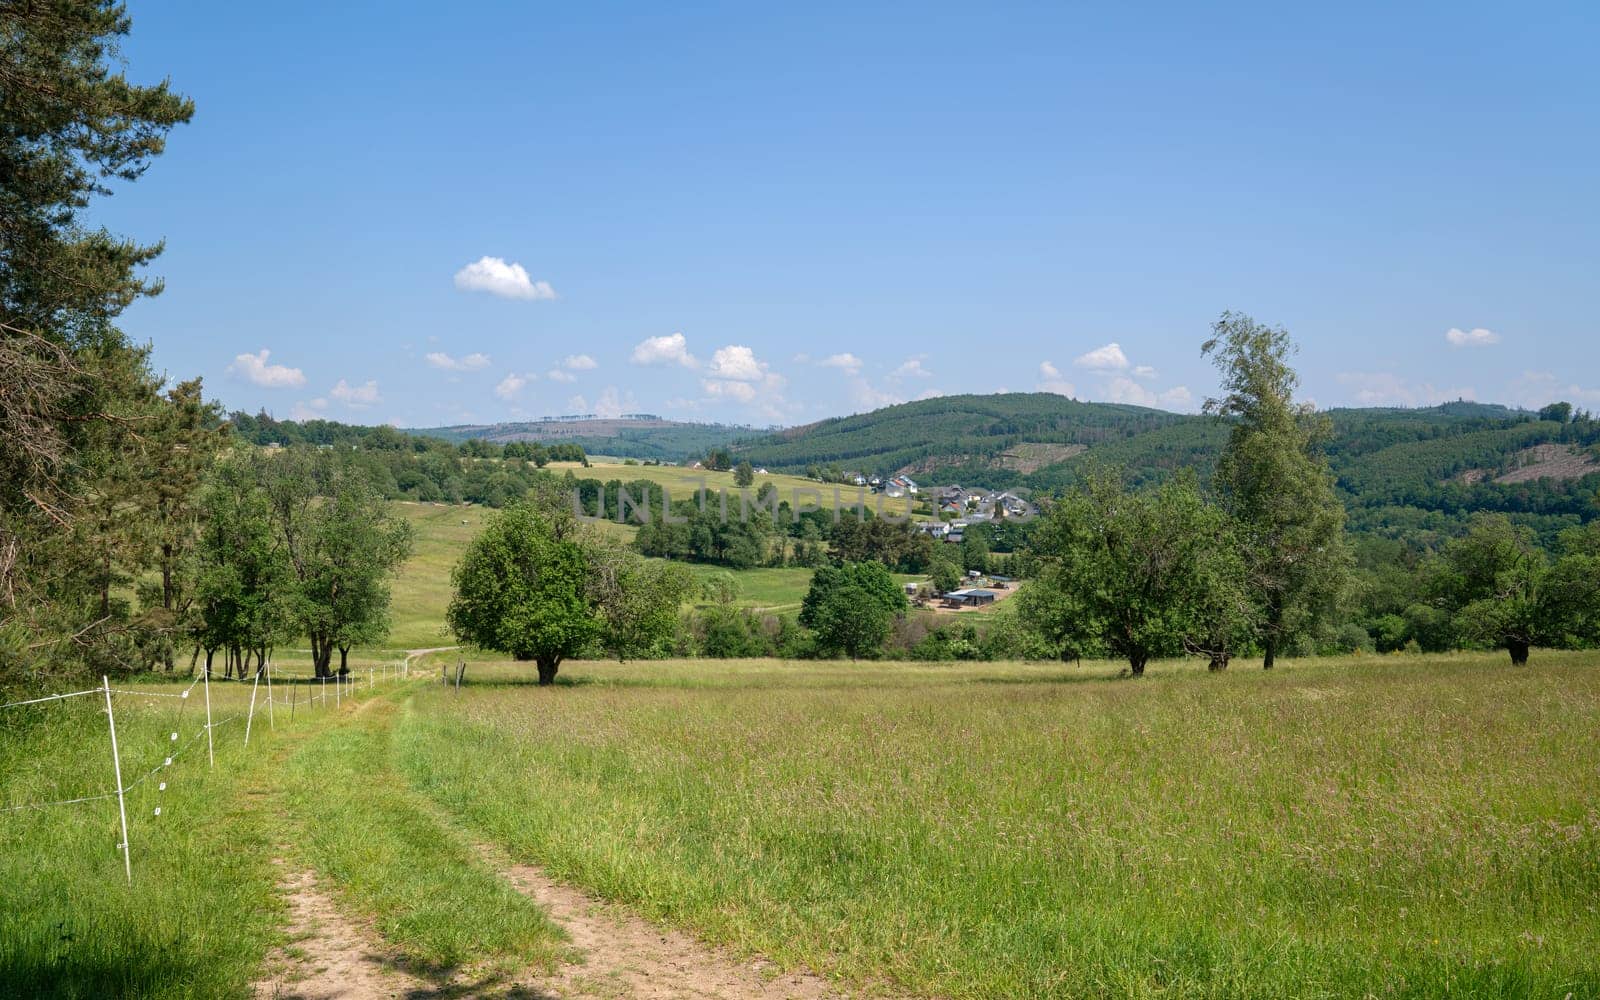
969 598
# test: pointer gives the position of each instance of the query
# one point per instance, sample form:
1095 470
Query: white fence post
211 752
248 722
271 722
116 764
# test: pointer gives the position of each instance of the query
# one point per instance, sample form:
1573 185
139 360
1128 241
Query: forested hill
1401 470
982 439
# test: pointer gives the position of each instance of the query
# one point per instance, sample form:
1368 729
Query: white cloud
470 363
1120 389
308 411
1389 389
868 397
744 392
558 375
737 363
614 404
507 280
254 368
930 394
846 362
356 396
1476 337
912 368
1050 380
1536 389
579 363
512 384
1144 371
672 349
1103 359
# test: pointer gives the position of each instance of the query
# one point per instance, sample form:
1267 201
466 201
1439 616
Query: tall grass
201 911
1404 827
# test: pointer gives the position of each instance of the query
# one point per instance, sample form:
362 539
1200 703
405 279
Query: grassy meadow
1395 826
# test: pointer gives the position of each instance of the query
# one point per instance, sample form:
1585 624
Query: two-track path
332 954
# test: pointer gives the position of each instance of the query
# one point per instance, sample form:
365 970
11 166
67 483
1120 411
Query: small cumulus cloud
1389 389
1103 359
579 363
1051 380
356 396
308 411
497 276
470 363
736 363
1534 389
560 375
253 368
672 349
846 362
912 367
1476 337
1144 371
512 385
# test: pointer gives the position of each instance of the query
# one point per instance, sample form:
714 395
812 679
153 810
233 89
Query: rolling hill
1410 469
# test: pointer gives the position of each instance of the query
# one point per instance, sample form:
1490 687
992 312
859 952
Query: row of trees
1166 570
292 545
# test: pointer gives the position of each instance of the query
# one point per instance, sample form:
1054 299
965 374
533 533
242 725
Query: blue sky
766 213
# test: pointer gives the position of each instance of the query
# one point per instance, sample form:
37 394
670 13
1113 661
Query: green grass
1397 827
388 853
201 911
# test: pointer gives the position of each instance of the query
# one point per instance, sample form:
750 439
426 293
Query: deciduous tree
1274 483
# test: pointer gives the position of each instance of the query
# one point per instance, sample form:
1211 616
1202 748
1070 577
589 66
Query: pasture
1398 826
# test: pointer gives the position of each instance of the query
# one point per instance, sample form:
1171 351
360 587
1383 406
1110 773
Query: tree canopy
1137 574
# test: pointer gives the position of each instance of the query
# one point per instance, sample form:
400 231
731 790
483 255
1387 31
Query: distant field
682 484
422 590
1383 827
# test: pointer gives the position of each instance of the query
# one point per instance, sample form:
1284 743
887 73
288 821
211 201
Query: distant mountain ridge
642 436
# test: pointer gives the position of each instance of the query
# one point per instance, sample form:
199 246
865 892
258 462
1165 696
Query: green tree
744 474
639 602
1272 480
342 542
70 124
1498 583
946 572
243 601
1139 575
520 590
1558 412
852 608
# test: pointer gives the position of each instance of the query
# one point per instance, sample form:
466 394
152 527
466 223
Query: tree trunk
344 655
1136 662
1219 661
1519 652
166 575
548 665
1269 652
